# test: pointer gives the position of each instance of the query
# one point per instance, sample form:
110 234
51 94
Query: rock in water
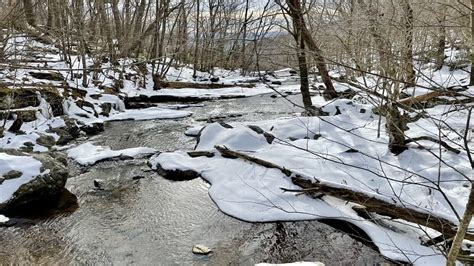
99 184
201 250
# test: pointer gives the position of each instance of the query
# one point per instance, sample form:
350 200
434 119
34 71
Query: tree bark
471 82
196 39
29 13
408 51
296 14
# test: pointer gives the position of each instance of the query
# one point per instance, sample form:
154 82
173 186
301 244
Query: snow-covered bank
88 154
342 150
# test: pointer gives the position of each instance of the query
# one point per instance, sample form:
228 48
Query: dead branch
440 142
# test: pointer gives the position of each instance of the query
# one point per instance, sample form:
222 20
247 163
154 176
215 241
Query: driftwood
160 84
433 94
421 98
372 204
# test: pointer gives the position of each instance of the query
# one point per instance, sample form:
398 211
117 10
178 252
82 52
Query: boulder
64 136
93 128
42 191
45 75
46 140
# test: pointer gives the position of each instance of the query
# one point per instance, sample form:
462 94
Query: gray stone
46 140
201 250
12 174
41 189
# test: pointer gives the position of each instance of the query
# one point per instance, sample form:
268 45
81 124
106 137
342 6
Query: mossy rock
53 76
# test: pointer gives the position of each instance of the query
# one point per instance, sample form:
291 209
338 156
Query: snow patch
89 154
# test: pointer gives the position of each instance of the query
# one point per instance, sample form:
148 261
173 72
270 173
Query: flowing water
153 221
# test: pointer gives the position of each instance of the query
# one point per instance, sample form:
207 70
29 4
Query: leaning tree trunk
296 13
467 217
462 229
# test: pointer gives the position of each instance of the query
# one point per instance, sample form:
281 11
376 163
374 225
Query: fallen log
160 84
421 98
373 204
433 94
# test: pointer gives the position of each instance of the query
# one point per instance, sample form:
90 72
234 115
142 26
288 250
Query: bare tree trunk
118 23
196 39
463 226
244 37
471 82
441 45
408 51
296 14
29 13
304 75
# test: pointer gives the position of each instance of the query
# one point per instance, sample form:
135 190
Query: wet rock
201 250
176 174
99 184
195 154
93 129
43 190
138 177
125 157
12 175
214 79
